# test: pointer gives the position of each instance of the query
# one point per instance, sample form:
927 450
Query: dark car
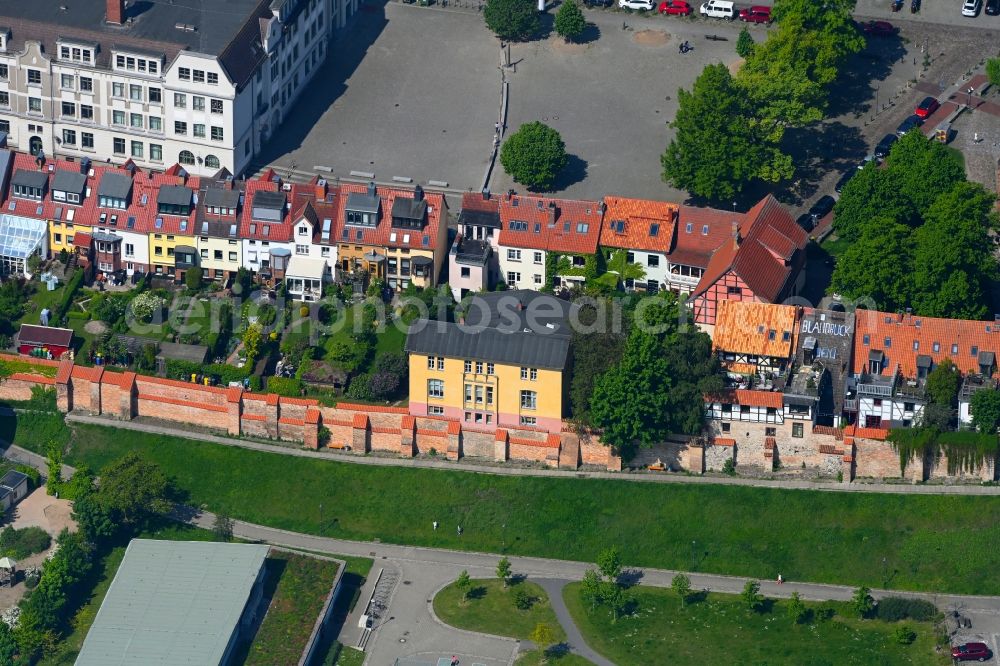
879 29
822 207
599 3
992 7
927 107
806 221
850 173
885 145
971 652
908 124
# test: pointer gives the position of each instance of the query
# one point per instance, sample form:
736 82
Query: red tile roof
700 232
265 230
764 259
747 397
761 329
384 234
905 332
638 216
560 225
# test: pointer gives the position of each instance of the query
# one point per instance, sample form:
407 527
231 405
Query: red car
879 29
675 7
971 652
927 107
756 14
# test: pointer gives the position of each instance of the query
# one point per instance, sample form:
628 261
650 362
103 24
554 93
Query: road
513 470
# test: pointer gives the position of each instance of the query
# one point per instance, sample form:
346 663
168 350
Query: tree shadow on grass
516 579
477 593
557 651
696 597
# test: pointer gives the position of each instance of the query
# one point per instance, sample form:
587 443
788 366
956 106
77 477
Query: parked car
971 652
992 7
879 29
756 14
718 9
850 173
928 106
822 207
908 124
675 8
806 222
636 4
970 8
885 145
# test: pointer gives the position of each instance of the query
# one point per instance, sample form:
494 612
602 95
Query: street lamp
970 91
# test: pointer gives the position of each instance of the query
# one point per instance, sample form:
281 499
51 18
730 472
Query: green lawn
717 628
40 299
490 609
557 657
804 535
834 245
34 430
303 583
104 573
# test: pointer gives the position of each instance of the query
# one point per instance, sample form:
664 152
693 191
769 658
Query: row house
161 82
266 226
894 353
473 260
533 228
755 343
821 365
396 235
762 261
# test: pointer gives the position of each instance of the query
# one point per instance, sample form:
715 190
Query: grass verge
557 657
916 542
490 609
714 628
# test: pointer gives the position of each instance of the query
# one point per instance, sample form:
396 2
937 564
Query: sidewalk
642 477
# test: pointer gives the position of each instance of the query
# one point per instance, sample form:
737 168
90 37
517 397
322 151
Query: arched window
212 162
186 157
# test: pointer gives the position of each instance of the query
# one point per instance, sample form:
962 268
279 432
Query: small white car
636 4
970 8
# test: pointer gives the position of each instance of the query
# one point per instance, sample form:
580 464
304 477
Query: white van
718 9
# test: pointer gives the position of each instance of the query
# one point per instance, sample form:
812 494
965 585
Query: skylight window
654 229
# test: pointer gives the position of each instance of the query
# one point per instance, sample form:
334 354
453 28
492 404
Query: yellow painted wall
506 381
211 244
166 243
64 230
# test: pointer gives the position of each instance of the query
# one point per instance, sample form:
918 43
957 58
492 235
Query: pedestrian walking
459 530
780 579
454 660
496 126
435 525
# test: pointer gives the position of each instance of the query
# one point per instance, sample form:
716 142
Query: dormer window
114 191
268 206
68 186
136 63
174 200
30 184
303 231
78 53
362 208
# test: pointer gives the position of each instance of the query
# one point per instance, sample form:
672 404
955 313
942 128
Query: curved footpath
647 477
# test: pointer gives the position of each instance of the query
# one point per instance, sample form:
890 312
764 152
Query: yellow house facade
62 232
486 378
220 257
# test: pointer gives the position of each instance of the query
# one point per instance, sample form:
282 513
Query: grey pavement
512 470
577 644
937 12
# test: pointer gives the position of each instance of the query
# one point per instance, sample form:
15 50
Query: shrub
894 609
287 386
904 635
360 388
24 542
729 467
383 384
34 476
522 600
76 314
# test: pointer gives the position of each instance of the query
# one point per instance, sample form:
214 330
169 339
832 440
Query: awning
422 261
374 256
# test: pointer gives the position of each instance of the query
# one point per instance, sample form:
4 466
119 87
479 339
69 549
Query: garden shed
44 341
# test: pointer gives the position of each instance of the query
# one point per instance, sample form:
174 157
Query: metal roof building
176 602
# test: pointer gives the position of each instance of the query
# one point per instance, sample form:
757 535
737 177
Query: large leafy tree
134 489
942 384
656 389
878 266
923 170
953 261
719 145
570 22
534 155
514 20
871 200
986 411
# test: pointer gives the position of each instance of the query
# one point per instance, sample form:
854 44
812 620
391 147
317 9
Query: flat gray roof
173 602
534 350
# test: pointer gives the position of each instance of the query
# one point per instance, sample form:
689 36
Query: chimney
320 190
603 207
371 189
486 194
736 234
115 12
553 211
418 193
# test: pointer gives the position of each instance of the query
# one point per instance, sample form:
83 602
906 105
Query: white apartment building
159 83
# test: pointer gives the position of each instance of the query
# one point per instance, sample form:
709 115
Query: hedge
67 298
287 386
894 609
226 373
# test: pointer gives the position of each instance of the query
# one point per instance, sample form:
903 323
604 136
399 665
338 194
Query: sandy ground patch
95 327
560 45
651 38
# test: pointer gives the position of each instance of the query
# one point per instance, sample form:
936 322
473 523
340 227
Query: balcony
851 404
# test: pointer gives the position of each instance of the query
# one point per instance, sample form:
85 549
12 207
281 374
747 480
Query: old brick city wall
854 453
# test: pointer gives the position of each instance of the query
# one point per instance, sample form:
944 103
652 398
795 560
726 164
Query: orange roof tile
360 421
454 428
749 397
560 225
630 223
724 441
408 422
382 409
748 327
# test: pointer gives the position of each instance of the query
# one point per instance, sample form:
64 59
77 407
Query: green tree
744 43
34 263
942 384
609 563
593 355
953 258
871 200
134 490
252 339
513 20
534 155
464 584
863 272
542 635
681 584
192 278
54 465
923 169
904 634
222 527
613 596
993 71
752 597
8 645
619 264
570 23
862 602
94 519
13 297
796 609
986 411
522 600
657 387
718 145
243 283
503 570
591 587
79 485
